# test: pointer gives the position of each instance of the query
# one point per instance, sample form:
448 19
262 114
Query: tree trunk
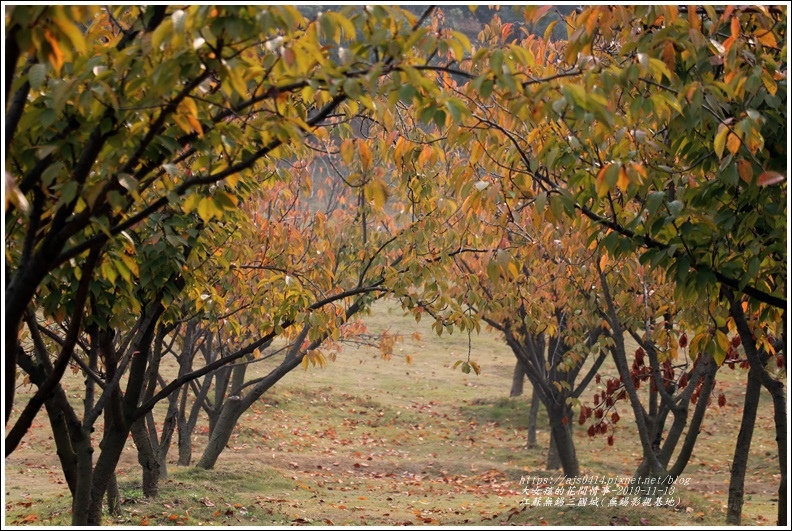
561 432
223 428
82 494
168 427
147 457
742 449
553 457
758 360
776 389
113 496
532 414
62 420
111 449
518 378
185 430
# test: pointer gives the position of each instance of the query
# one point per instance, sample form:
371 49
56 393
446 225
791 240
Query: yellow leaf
398 150
769 83
766 38
206 209
733 143
191 203
377 192
347 151
131 263
237 81
183 124
602 185
71 31
720 140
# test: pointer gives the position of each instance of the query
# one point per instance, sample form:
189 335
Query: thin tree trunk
518 379
224 427
776 389
553 457
533 413
742 449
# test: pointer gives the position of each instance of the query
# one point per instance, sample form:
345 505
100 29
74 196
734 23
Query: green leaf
69 191
654 201
37 75
675 207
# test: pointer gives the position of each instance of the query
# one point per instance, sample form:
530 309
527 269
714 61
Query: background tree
96 164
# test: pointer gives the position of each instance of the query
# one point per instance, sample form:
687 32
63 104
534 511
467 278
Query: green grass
366 441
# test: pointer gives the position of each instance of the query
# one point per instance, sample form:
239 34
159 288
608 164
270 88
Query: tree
185 112
665 128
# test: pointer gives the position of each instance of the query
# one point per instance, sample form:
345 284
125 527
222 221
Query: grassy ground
371 442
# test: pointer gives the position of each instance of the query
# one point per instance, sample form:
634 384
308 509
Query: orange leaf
693 18
56 56
735 27
289 56
769 178
733 143
195 124
669 55
744 170
623 182
365 155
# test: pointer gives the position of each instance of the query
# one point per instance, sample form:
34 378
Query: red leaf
770 177
644 521
722 400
